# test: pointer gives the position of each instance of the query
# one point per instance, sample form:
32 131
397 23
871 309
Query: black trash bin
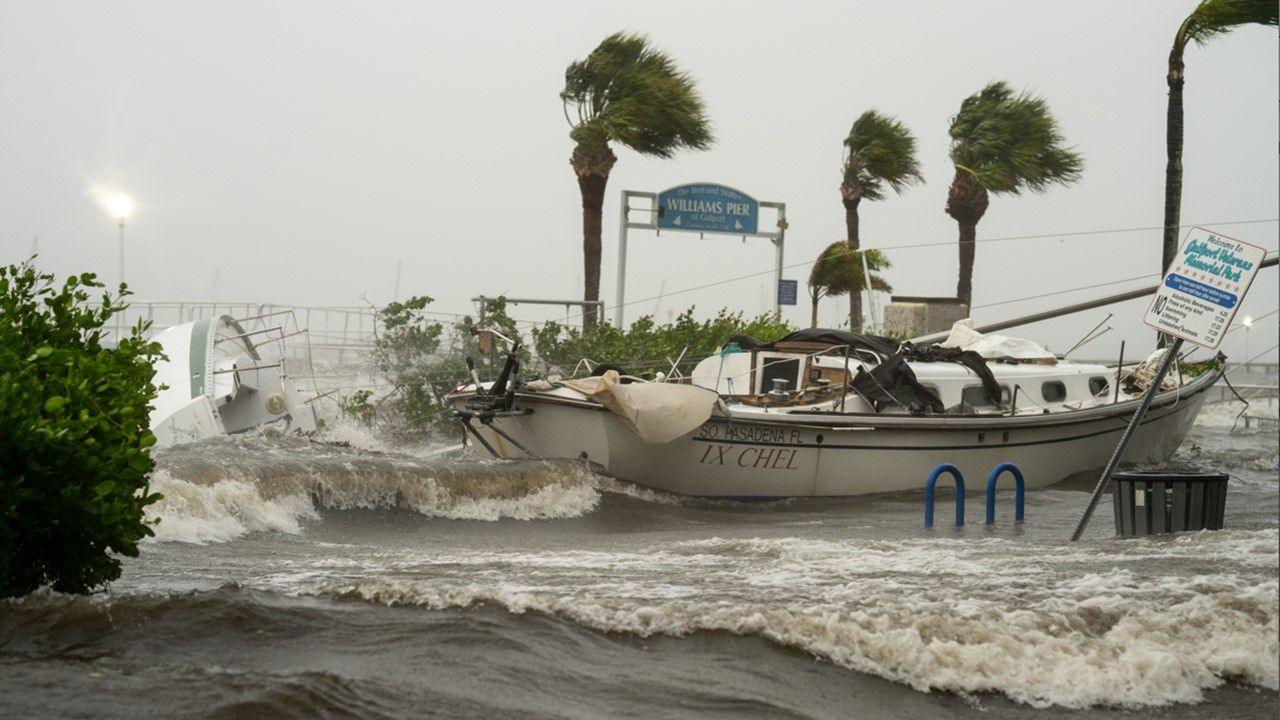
1153 502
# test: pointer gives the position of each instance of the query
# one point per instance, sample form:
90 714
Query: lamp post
121 207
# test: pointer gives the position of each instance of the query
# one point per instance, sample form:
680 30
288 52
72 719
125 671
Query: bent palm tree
625 91
1210 19
838 270
1004 143
882 151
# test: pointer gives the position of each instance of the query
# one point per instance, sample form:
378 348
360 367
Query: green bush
423 361
74 437
645 347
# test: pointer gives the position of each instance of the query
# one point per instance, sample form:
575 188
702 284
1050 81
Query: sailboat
833 413
214 380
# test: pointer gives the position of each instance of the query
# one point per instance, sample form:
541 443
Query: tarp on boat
996 347
892 382
657 412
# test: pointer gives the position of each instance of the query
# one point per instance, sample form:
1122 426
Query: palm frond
1212 18
1010 142
839 270
881 151
629 92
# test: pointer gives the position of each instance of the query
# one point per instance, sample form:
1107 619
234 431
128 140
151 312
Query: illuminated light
1247 321
121 207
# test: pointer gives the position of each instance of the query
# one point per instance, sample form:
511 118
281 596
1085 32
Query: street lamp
121 207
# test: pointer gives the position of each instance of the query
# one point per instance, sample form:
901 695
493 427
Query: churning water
342 577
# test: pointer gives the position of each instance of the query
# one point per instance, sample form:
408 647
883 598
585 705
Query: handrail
1019 493
931 485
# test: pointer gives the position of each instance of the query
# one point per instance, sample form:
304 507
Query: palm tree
1210 19
1004 143
882 151
627 92
838 270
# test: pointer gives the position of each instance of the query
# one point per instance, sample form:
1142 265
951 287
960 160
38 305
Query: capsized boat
214 381
833 413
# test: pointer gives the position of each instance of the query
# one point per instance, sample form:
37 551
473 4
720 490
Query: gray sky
304 148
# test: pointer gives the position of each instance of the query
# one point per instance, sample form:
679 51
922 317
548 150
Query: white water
201 512
1227 414
1042 626
1135 623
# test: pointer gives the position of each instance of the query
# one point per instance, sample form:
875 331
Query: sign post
704 208
1198 297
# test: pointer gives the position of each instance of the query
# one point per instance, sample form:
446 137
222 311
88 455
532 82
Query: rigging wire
911 246
1067 292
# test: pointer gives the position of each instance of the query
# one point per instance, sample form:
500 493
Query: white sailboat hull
849 455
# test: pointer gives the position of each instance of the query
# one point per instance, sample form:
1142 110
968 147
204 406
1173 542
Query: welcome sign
1202 290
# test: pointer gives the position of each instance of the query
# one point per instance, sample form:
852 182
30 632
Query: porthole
1053 391
976 396
1098 385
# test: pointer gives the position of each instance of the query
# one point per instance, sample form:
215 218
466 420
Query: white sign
1204 287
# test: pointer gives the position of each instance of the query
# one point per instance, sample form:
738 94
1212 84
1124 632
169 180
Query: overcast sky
298 151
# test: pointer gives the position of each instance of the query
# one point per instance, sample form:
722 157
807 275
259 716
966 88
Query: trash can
1152 502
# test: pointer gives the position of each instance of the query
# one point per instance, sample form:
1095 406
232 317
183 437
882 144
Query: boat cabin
799 374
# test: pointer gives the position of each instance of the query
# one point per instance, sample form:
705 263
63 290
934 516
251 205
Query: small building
911 316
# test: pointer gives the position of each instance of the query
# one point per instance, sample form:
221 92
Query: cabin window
975 396
788 370
1053 391
1098 385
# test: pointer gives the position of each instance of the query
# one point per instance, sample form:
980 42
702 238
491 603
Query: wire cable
911 246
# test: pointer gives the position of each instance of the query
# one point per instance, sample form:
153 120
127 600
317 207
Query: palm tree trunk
855 294
592 188
592 168
967 202
964 288
1173 169
813 312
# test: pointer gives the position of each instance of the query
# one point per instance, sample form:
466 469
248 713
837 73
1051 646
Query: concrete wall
914 316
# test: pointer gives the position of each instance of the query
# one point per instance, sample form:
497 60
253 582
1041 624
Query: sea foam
1042 627
222 489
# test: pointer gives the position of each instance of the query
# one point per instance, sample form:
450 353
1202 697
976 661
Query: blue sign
1200 290
703 207
787 291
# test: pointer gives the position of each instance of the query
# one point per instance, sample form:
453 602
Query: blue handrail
933 482
1019 492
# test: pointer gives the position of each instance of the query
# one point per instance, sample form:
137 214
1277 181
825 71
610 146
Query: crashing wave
1001 623
224 488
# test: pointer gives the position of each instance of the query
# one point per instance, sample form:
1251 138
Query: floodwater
341 577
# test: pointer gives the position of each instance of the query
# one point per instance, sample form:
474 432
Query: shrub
423 361
645 347
74 437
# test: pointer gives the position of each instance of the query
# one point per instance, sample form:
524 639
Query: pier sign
705 207
1203 289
